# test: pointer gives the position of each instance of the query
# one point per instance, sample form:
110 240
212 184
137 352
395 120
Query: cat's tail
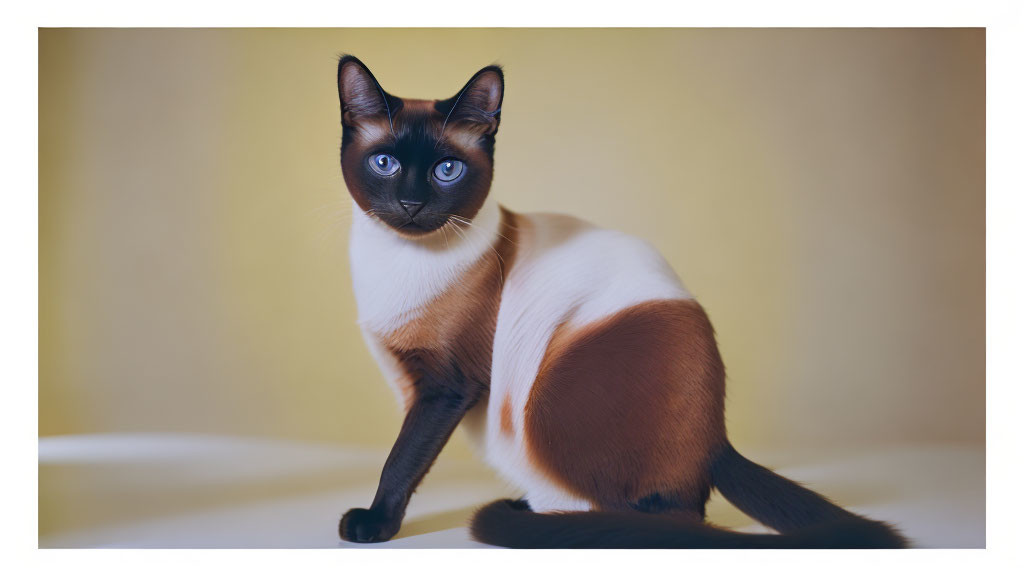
803 519
789 508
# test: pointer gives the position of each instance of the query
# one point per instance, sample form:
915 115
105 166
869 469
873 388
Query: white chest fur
395 277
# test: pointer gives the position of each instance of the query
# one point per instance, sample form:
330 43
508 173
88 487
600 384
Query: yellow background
822 193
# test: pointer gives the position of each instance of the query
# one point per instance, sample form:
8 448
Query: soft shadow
436 522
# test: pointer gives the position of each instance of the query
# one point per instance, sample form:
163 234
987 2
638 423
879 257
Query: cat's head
416 164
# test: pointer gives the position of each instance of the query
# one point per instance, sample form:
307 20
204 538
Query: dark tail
802 518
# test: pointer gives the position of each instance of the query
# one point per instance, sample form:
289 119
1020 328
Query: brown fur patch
370 132
417 106
631 407
506 417
455 333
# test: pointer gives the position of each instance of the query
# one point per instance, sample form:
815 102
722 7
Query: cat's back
568 266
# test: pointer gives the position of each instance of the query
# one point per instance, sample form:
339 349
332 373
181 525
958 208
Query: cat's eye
449 170
384 164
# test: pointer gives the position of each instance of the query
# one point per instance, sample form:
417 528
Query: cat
582 369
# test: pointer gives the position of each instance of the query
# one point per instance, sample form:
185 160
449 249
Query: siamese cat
583 370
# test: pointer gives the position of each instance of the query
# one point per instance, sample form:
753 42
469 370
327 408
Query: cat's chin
410 229
438 236
442 235
414 230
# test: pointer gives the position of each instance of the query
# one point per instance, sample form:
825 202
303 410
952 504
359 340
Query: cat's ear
361 95
478 105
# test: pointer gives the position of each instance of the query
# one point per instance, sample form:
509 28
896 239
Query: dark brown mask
414 164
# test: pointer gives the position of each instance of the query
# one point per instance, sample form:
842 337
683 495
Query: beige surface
821 191
222 492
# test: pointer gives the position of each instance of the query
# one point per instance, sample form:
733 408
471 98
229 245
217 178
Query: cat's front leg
430 421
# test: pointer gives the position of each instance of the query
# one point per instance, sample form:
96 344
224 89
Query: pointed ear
361 95
478 104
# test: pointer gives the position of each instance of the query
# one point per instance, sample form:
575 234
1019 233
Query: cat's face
416 164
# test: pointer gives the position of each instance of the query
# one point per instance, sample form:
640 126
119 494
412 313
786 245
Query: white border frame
19 228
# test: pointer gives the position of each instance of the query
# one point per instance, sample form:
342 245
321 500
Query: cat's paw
362 525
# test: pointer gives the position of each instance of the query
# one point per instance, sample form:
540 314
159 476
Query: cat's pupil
447 168
382 161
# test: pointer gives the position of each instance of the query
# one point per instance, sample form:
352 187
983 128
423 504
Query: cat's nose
411 207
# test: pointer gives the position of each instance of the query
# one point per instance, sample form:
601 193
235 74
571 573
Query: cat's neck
395 276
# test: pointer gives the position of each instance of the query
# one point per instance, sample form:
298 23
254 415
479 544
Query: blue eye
448 170
384 164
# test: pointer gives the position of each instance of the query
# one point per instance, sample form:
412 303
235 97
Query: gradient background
821 192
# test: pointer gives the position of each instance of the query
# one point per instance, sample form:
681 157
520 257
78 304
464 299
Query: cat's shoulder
569 265
556 233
